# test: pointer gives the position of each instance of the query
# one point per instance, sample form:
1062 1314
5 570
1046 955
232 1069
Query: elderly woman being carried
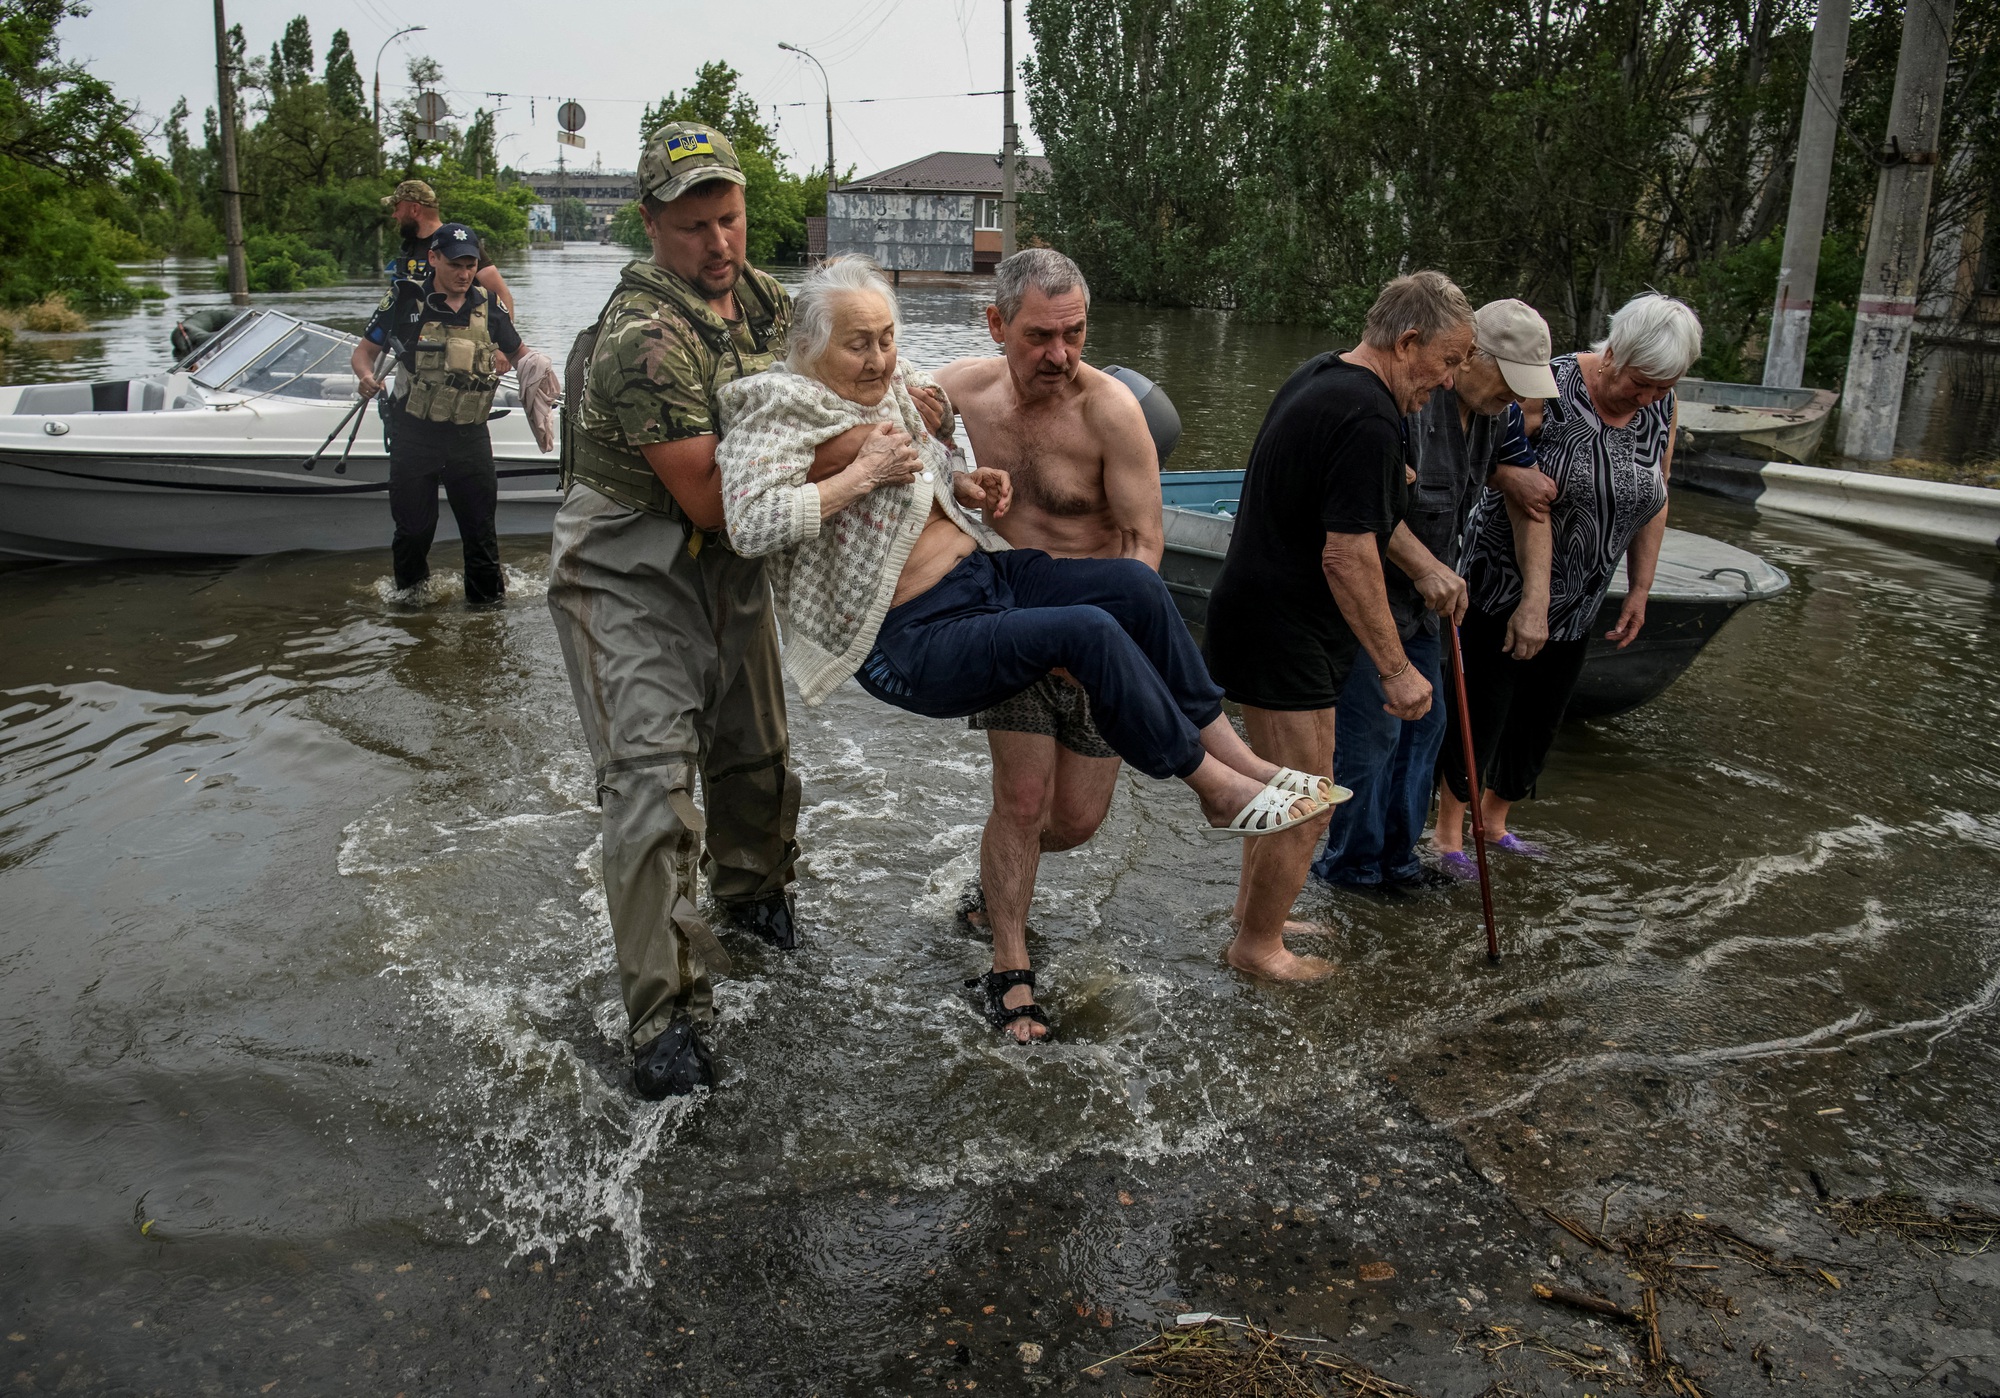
880 572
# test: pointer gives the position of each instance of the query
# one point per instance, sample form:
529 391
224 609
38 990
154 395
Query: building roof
950 172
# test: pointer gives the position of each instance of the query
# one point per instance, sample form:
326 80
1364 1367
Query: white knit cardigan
832 579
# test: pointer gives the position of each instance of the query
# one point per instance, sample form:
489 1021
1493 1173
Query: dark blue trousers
1000 621
1389 765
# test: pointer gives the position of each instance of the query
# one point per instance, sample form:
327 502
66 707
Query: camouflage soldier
414 206
667 633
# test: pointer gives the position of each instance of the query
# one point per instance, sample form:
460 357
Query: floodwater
310 1065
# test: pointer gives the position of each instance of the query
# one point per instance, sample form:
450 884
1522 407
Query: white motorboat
217 456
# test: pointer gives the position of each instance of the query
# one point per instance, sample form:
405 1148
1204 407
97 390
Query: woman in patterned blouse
1607 441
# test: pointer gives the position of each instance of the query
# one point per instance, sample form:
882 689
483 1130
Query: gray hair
812 305
1654 335
1429 303
1044 269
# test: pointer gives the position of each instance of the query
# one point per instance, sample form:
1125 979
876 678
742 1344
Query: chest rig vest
454 371
614 470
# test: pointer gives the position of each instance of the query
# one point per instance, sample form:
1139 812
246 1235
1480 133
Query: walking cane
1472 781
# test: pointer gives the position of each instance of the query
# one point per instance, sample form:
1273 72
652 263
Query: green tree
66 143
774 200
292 55
478 152
629 228
714 101
310 166
344 90
1284 157
55 116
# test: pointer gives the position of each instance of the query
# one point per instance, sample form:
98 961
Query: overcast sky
614 56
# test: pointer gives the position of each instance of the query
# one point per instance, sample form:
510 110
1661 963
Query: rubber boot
672 1065
770 918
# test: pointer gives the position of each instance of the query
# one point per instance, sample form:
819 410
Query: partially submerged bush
284 262
53 315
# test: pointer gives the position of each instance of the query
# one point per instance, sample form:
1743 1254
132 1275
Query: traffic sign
569 138
569 116
431 107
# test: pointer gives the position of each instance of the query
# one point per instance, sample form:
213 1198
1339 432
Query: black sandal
994 985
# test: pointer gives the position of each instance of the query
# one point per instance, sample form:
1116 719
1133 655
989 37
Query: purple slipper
1459 865
1514 844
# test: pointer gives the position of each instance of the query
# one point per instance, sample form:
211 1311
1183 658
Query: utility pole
377 117
1887 310
232 198
1009 140
413 29
1819 124
827 84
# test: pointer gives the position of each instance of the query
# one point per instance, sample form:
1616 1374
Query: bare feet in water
1281 963
1023 1031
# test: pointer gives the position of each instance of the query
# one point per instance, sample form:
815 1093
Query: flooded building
603 192
940 213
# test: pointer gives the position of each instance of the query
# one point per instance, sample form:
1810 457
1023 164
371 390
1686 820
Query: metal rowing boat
1700 583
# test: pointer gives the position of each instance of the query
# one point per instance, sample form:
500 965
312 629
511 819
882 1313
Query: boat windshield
270 353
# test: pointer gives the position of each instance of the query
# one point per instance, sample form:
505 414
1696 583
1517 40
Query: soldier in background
668 634
414 206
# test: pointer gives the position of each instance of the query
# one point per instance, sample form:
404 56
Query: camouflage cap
411 192
683 154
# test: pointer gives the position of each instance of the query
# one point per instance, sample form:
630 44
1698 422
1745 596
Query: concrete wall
903 232
1957 514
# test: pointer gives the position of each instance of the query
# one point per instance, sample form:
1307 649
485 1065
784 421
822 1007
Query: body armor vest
454 371
614 470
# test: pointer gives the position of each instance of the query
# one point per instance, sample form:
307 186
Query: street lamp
413 29
794 48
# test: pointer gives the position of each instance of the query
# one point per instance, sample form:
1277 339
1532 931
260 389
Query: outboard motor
1161 417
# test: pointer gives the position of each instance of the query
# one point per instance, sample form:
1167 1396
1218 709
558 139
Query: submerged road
310 1077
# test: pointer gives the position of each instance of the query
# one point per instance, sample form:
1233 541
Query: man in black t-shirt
414 206
1303 590
452 344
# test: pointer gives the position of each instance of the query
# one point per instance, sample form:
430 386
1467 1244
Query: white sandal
1310 786
1268 812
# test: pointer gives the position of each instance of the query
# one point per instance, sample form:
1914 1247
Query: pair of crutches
354 415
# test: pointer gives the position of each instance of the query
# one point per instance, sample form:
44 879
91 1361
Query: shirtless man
1086 484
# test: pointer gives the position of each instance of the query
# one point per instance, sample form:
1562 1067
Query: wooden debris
1965 1229
1502 1338
1583 1301
1649 1317
1238 1359
1579 1232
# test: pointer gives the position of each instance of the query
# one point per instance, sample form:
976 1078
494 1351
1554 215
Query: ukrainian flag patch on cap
689 143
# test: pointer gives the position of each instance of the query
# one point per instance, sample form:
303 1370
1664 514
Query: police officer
668 635
453 342
414 206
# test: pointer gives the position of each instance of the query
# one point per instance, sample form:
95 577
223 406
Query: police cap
453 241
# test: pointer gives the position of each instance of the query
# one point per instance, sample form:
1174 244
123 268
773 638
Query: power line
915 97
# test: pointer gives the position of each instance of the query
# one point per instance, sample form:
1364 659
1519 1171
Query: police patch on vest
689 143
